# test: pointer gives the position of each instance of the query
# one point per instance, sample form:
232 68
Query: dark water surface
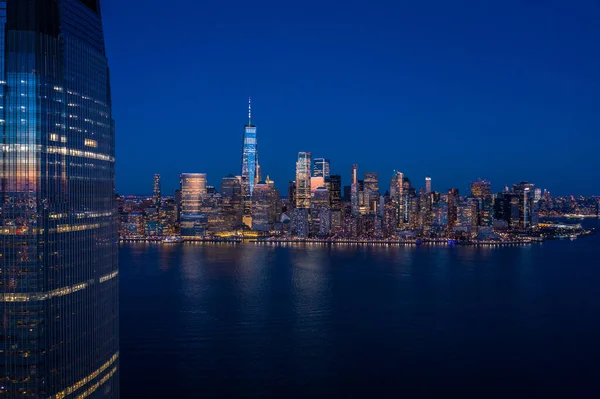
248 320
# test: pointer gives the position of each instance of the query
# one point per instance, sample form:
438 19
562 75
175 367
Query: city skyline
505 91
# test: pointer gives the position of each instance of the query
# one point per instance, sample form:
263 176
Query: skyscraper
303 193
354 189
453 198
265 206
58 256
157 197
335 192
481 189
250 172
193 188
321 168
354 174
427 185
231 190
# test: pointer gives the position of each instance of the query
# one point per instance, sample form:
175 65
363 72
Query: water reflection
242 320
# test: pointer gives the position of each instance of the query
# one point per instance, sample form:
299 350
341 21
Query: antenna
249 111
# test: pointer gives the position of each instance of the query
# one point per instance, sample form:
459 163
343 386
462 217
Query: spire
249 111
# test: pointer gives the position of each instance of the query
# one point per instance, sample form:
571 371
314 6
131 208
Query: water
248 320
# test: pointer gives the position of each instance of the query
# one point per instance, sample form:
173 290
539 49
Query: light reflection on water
241 320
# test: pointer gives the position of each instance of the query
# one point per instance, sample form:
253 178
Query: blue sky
506 91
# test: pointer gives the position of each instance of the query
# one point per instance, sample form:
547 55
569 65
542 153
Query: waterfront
244 320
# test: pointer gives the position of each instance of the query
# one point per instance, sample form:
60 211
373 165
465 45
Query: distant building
453 199
193 187
320 212
266 208
335 192
527 206
300 222
291 200
481 189
321 168
427 185
231 192
303 194
157 196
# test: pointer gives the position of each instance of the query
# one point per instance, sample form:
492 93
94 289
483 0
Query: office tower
212 209
303 193
466 216
231 191
414 212
354 191
371 189
58 256
249 164
193 188
453 198
156 191
390 217
426 211
291 196
354 174
168 217
527 207
265 200
335 202
321 168
481 189
439 217
320 212
371 182
397 186
427 185
354 199
300 222
335 192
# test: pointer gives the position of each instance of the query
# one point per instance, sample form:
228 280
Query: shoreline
444 242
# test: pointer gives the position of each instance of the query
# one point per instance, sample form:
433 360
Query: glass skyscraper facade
59 274
249 159
303 193
321 168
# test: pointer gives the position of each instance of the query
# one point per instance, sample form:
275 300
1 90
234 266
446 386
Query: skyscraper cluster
318 205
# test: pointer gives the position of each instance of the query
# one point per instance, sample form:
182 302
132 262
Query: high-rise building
193 188
320 212
58 256
427 185
321 168
231 191
527 207
291 202
397 186
156 191
481 189
303 193
335 192
371 191
354 174
453 198
265 204
249 163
